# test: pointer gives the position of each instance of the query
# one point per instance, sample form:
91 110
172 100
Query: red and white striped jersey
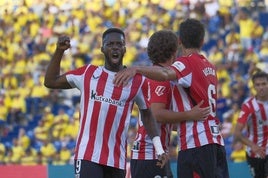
254 114
105 114
143 148
197 81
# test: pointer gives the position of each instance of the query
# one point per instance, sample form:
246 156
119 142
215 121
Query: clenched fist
63 43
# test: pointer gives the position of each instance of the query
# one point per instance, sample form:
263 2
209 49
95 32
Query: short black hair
191 33
162 45
111 30
259 74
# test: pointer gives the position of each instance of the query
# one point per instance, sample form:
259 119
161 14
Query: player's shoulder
158 83
249 102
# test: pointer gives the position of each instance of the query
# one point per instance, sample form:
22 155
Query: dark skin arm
53 79
149 123
151 128
254 147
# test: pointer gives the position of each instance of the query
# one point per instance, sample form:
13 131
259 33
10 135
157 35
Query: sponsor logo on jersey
96 97
179 66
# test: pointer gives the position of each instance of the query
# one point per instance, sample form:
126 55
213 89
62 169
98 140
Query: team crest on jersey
160 90
179 66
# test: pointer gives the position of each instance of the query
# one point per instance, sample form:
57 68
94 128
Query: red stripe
265 136
195 175
136 82
109 123
265 127
263 115
254 126
95 116
182 125
208 131
121 128
163 134
219 137
142 145
78 71
195 135
87 78
141 134
183 135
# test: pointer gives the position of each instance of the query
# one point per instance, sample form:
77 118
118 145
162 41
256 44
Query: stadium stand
29 30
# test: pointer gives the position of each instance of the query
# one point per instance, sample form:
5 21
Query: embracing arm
53 79
157 73
153 72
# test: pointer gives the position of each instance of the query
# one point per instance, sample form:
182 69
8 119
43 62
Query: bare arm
149 123
254 147
164 115
152 130
152 72
53 79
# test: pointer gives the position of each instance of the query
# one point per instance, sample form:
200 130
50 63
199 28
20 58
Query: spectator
2 153
29 158
17 151
21 22
246 27
23 139
238 154
41 132
47 151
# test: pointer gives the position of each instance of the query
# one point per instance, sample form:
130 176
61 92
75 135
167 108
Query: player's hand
260 151
199 113
122 77
163 159
63 43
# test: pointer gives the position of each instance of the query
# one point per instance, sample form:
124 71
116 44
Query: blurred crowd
39 126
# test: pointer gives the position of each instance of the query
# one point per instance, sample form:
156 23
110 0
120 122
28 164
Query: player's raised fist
63 43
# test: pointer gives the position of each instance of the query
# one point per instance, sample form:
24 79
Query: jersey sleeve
74 77
198 77
183 72
159 92
244 114
142 98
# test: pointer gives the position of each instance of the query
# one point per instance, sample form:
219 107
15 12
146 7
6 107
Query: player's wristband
158 146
